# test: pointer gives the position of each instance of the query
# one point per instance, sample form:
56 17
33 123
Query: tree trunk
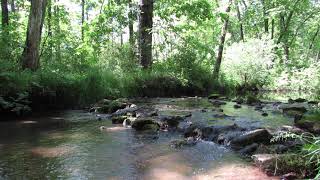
240 20
13 6
82 19
30 55
50 28
221 46
314 38
145 33
266 21
5 13
131 31
57 30
272 29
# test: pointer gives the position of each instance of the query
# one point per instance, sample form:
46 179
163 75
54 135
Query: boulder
218 103
293 109
299 100
255 136
264 114
309 122
172 121
249 150
214 96
145 125
118 119
237 106
108 107
239 100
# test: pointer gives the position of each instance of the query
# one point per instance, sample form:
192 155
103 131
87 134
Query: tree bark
266 21
50 28
272 29
82 19
145 33
221 46
240 20
5 13
57 30
13 6
314 38
30 56
131 32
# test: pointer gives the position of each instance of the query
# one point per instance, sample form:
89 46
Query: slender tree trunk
272 28
314 38
57 30
5 13
240 20
50 28
318 56
245 4
266 21
145 33
131 31
13 6
82 19
30 55
221 46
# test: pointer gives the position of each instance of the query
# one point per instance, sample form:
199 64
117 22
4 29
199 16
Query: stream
70 145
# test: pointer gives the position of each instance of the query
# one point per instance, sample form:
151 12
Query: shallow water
70 145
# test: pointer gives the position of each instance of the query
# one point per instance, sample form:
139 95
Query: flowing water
70 145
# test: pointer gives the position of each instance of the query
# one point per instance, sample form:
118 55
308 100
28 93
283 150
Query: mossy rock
310 122
214 96
111 107
146 125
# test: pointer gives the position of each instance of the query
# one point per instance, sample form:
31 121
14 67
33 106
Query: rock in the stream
183 143
309 122
218 103
255 136
108 106
249 150
145 125
264 114
172 121
293 109
237 106
118 119
299 100
214 96
239 100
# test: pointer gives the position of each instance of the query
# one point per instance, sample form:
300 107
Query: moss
310 122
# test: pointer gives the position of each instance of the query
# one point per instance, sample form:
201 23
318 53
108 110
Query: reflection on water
70 145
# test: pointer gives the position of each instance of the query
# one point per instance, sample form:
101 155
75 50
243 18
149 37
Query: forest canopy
89 49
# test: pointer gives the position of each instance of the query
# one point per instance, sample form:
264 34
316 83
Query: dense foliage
88 50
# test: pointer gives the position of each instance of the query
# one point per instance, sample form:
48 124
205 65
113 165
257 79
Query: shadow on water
70 145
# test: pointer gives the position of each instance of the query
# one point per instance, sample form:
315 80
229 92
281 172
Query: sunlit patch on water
51 152
114 129
28 122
